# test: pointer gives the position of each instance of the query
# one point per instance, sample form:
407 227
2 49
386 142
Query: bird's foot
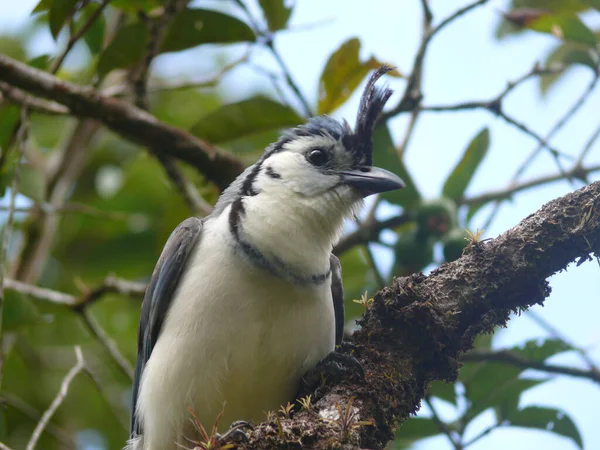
338 365
236 433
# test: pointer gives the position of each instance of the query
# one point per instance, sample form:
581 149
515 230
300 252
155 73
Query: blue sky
464 62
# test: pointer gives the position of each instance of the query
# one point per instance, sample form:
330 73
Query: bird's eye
317 157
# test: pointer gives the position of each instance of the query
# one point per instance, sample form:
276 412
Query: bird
242 303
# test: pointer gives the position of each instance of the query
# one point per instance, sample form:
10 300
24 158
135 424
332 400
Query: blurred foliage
118 177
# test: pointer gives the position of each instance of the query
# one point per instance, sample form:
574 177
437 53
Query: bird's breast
236 337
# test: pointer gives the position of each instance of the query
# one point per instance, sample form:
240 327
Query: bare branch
14 95
588 146
558 125
575 172
4 447
442 425
368 231
78 208
81 305
268 41
60 396
109 345
516 360
412 93
33 414
125 119
40 293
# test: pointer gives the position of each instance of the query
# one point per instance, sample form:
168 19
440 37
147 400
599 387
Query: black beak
371 180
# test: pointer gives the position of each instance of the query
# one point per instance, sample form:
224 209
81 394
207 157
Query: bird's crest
371 105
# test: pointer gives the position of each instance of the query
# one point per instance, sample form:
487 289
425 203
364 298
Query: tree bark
416 329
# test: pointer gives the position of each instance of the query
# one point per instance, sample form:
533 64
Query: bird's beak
371 180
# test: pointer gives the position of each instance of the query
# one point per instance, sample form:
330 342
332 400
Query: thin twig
109 345
558 125
412 93
81 306
442 425
40 293
556 334
588 146
78 208
368 231
516 360
186 189
33 414
4 447
60 396
76 36
483 434
268 41
12 94
288 78
507 193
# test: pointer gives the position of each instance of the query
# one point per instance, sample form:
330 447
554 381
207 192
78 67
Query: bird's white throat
301 232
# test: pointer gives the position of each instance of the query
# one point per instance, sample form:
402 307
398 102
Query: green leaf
486 384
276 13
32 183
59 12
244 118
567 27
458 181
495 384
592 3
127 48
411 430
548 419
568 53
534 351
443 390
386 156
342 74
19 311
508 401
43 5
193 27
356 273
40 62
94 36
134 6
9 116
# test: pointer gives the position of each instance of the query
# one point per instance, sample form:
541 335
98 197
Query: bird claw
332 369
236 433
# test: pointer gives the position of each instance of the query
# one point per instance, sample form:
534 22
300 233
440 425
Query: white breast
234 334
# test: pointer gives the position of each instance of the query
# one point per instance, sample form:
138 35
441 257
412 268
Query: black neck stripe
275 265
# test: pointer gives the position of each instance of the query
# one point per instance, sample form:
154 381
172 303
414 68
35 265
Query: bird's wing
162 286
337 292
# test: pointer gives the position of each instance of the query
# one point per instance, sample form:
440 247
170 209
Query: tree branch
515 360
502 194
417 329
124 119
60 396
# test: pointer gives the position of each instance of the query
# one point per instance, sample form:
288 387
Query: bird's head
324 163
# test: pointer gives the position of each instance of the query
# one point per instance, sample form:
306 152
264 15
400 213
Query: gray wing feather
162 286
337 292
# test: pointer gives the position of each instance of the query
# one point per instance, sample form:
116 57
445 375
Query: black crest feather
371 105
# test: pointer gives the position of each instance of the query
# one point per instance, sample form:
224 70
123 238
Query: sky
464 62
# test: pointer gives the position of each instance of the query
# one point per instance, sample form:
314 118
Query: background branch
125 119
